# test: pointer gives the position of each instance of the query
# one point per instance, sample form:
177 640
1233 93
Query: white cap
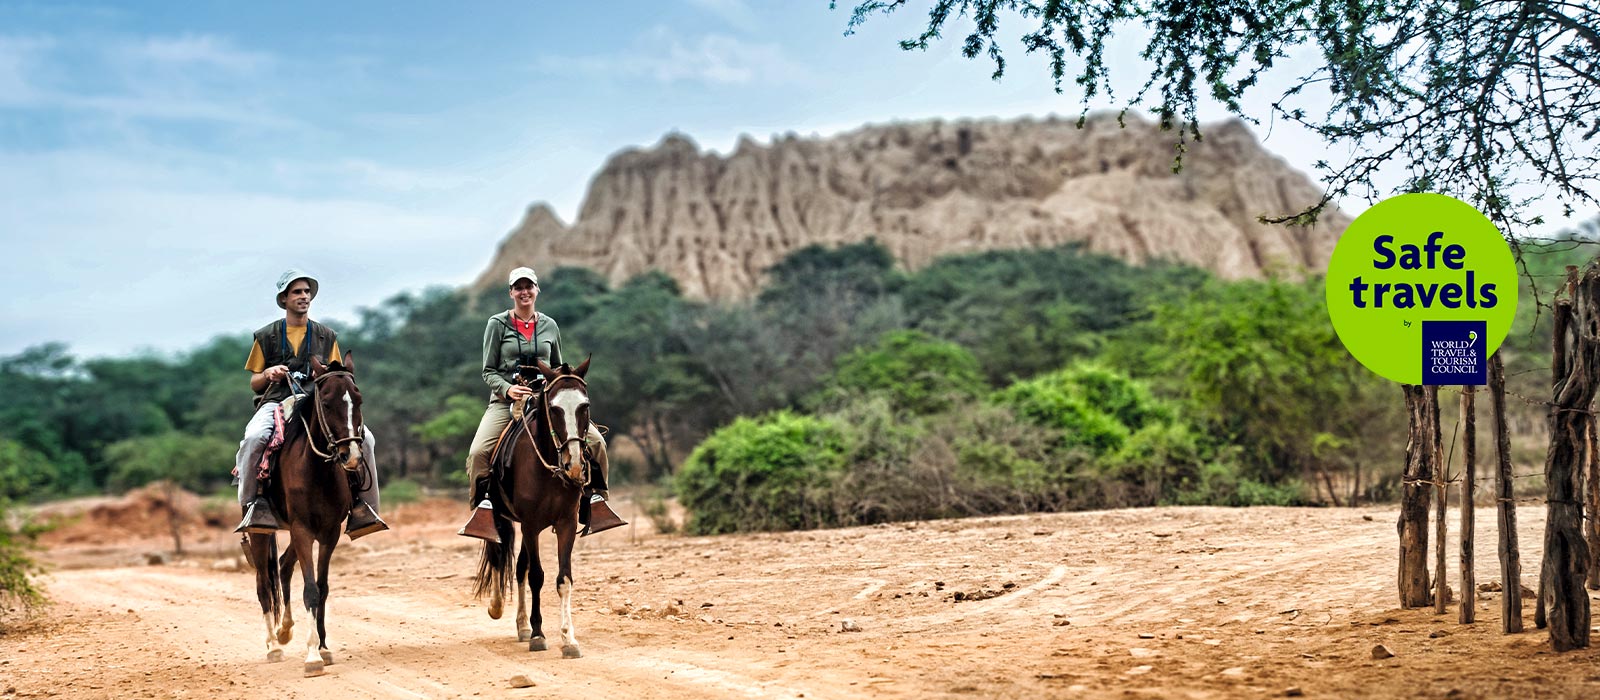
522 273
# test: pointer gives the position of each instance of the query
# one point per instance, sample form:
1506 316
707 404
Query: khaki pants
496 416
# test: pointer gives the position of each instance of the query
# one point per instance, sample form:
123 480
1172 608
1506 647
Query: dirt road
1172 602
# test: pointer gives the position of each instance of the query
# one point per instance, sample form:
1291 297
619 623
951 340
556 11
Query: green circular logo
1422 289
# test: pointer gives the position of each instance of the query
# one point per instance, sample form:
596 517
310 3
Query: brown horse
542 489
311 495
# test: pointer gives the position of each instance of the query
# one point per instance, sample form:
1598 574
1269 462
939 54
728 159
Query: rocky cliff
927 189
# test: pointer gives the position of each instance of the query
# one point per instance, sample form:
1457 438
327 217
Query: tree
178 460
1493 102
1260 365
918 373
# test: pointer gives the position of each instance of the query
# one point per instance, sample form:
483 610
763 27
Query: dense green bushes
776 473
1082 437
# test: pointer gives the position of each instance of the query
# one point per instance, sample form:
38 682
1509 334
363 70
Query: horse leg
566 536
524 630
286 577
305 550
530 547
262 550
324 557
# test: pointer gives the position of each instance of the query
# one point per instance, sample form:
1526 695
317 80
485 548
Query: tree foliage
915 371
1495 102
1258 363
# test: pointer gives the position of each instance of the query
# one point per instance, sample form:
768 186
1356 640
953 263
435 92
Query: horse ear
317 368
545 370
350 362
583 368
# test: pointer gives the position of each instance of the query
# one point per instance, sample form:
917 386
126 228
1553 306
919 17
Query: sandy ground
1169 602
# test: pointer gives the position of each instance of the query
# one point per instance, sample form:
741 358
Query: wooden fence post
1505 496
1441 480
1469 472
1414 492
1592 472
1574 366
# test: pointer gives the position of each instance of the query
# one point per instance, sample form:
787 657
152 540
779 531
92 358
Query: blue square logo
1453 352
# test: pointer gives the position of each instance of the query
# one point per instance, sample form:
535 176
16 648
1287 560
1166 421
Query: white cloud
17 54
192 78
664 56
129 238
196 50
735 12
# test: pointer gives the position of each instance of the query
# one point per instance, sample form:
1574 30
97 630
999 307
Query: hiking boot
481 525
601 517
363 521
258 518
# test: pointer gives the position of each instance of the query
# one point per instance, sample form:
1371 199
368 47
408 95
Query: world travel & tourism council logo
1451 353
1422 289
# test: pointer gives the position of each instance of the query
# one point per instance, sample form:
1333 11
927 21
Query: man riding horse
280 367
514 339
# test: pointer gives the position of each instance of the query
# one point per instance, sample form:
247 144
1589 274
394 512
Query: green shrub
402 491
18 571
769 473
24 473
1220 484
1091 406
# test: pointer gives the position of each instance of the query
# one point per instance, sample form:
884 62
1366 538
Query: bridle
322 422
544 406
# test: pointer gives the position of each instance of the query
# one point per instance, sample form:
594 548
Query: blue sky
162 163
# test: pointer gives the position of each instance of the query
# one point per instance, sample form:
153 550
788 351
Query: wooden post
1574 366
1505 494
1469 471
1414 492
1441 583
1594 504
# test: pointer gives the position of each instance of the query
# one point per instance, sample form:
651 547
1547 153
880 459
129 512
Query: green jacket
503 346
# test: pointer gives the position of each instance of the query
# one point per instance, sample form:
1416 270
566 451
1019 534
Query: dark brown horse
311 495
542 489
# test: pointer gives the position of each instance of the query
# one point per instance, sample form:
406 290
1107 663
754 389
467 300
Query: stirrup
258 519
363 521
601 517
481 525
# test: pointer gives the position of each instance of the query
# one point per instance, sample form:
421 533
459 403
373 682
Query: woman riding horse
540 485
522 336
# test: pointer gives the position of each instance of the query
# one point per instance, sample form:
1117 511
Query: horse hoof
274 656
285 634
327 656
314 668
494 611
524 636
570 651
537 644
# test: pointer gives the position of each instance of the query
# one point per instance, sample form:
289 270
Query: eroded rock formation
927 189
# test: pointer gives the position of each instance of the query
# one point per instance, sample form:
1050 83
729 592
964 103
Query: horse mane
296 429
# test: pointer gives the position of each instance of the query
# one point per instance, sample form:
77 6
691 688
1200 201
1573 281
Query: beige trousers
496 416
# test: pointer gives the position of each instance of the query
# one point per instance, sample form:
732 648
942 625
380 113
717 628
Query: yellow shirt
296 336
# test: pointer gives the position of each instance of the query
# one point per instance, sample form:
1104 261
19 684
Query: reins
544 405
322 423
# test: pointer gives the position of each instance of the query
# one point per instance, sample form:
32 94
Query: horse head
566 401
336 403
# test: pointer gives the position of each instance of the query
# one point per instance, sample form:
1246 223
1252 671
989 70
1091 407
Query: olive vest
274 343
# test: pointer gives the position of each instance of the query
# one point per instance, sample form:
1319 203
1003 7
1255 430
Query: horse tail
494 566
274 585
261 552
